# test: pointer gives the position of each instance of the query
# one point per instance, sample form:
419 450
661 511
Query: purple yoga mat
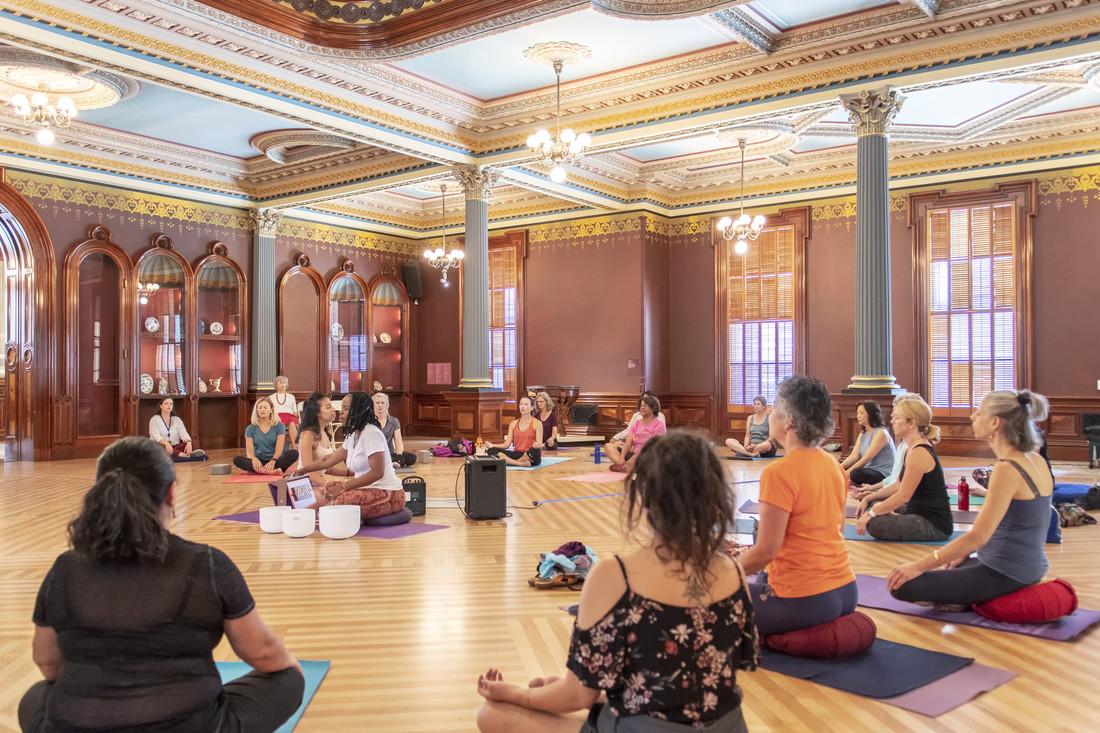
378 533
753 507
874 594
948 693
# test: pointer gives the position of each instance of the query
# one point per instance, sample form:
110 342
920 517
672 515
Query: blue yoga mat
314 673
553 460
850 534
887 669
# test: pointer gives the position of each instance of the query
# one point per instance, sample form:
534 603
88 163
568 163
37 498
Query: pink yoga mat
378 533
596 477
873 593
252 478
952 691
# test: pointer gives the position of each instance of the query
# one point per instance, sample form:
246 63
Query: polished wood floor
408 624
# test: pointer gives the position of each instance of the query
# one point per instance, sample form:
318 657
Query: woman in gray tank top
757 442
1011 528
872 458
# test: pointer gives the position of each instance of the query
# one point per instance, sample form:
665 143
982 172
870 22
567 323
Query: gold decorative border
47 188
1079 184
599 226
353 238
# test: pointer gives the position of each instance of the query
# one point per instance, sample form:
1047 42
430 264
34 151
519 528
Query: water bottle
964 495
596 454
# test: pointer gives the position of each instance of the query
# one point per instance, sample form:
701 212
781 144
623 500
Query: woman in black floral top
662 630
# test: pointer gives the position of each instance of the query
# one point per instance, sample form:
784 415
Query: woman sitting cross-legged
879 490
808 579
548 416
757 442
126 621
314 440
265 442
619 439
373 487
873 456
662 630
524 438
1011 528
166 428
391 428
649 426
919 511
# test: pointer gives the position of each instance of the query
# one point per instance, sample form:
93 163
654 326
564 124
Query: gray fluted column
871 112
477 183
265 222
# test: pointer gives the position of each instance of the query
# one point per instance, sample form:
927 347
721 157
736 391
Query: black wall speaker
410 273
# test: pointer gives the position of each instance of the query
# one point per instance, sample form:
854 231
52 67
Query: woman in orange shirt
524 436
808 579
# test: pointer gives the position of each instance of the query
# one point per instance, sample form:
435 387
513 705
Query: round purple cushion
401 516
842 637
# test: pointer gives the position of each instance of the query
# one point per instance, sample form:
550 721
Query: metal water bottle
964 495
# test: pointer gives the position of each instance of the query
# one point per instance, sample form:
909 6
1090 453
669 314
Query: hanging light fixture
744 228
146 291
440 258
564 146
39 111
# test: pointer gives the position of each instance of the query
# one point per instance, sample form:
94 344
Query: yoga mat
595 477
974 500
377 533
850 534
874 594
579 498
552 461
886 670
314 673
753 507
252 478
952 691
189 459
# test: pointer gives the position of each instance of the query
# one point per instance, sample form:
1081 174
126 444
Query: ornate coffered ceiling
344 132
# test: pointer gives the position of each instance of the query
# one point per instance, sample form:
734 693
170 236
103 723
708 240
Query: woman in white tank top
314 441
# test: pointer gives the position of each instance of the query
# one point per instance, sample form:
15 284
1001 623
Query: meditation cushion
401 516
1070 493
842 637
1035 604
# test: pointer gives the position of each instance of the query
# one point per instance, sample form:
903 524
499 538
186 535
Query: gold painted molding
340 237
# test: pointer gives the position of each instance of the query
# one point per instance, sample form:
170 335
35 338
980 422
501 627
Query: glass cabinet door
161 293
348 365
218 310
388 313
98 347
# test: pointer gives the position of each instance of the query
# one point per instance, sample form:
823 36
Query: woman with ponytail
127 620
1011 528
919 511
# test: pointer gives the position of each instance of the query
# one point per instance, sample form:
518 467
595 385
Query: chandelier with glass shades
564 146
39 111
440 258
146 291
744 227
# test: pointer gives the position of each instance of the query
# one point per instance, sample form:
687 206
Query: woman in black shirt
919 511
662 630
126 621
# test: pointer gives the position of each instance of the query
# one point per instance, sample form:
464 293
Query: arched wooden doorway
26 316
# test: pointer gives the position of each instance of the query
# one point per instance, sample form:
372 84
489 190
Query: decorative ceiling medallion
357 11
26 72
763 140
293 146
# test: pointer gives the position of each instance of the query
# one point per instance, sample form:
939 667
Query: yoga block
220 469
843 637
1035 604
424 456
416 495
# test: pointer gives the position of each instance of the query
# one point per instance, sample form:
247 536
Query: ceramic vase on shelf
216 383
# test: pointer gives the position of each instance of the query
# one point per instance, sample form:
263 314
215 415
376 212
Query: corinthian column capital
265 222
872 110
476 181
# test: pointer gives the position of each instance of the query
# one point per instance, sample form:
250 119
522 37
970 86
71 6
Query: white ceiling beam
742 26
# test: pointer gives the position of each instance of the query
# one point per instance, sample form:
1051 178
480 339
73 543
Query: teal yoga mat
314 673
545 462
850 534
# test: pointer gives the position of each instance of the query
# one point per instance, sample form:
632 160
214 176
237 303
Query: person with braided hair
1009 534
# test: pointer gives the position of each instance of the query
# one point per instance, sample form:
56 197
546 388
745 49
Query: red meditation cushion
842 637
1035 604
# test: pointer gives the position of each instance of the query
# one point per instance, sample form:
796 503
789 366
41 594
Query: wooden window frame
1023 195
800 220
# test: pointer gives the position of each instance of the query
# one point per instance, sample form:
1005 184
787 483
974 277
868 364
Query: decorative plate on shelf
216 328
385 337
146 384
152 324
336 331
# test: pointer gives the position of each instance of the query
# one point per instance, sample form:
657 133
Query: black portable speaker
486 488
410 273
416 495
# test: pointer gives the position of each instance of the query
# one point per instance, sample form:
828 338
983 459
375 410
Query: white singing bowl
299 522
340 521
271 518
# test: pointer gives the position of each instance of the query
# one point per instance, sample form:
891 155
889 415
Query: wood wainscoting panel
430 416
